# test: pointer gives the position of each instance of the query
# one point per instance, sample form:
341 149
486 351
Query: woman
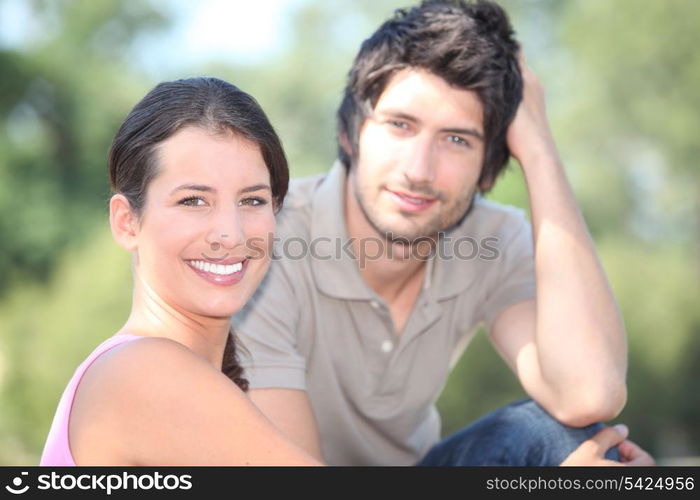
198 174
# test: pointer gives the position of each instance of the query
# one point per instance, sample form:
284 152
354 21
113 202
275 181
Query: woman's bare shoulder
134 369
128 390
144 356
152 401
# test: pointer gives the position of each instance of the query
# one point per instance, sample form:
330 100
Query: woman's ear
123 221
345 143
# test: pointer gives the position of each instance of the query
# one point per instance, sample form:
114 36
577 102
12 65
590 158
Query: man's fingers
592 451
609 437
628 450
632 454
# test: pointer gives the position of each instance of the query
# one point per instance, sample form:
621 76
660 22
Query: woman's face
203 244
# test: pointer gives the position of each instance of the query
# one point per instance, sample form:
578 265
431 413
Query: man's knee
521 433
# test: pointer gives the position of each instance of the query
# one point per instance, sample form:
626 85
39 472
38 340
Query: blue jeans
519 434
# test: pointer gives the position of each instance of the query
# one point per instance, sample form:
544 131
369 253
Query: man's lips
410 196
409 202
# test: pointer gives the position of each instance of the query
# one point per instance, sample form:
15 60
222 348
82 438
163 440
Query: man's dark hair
468 44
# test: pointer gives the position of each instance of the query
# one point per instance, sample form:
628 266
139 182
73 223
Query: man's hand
592 451
529 136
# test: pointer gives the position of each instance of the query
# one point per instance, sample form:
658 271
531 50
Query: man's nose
419 166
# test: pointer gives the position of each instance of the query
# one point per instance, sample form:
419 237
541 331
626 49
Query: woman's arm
154 402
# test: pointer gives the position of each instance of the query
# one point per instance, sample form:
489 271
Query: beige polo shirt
315 325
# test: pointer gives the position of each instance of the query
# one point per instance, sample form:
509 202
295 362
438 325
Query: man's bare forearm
580 335
290 411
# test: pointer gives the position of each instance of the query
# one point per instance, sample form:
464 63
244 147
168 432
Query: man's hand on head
529 136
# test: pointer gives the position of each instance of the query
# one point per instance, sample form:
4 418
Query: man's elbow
589 406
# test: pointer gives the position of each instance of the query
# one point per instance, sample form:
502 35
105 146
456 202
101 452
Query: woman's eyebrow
209 189
194 187
256 187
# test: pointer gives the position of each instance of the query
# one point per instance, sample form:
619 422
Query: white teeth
209 267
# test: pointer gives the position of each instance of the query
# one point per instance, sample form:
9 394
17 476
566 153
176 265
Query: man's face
420 156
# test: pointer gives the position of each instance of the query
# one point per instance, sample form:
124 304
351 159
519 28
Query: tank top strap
57 448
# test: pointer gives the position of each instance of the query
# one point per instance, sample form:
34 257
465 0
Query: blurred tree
63 91
52 329
633 109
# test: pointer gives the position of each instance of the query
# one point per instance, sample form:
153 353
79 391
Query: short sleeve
267 331
514 278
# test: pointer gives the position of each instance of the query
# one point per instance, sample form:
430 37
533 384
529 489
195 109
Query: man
352 348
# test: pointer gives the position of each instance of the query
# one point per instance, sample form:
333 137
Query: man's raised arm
567 346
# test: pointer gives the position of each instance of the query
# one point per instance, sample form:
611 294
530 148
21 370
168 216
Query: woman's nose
226 231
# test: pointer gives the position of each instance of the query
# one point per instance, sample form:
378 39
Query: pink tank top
57 448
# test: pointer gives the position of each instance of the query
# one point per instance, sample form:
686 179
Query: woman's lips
219 273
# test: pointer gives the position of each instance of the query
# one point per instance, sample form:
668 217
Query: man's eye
458 140
398 124
192 201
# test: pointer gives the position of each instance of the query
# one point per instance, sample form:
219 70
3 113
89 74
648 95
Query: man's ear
485 184
123 222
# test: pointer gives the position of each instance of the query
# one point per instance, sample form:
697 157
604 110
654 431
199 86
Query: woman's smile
219 274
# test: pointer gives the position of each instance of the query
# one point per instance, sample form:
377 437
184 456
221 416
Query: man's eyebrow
470 131
399 114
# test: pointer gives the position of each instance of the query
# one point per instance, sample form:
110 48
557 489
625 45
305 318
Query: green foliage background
622 80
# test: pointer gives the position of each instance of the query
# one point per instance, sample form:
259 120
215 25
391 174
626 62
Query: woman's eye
253 202
192 201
